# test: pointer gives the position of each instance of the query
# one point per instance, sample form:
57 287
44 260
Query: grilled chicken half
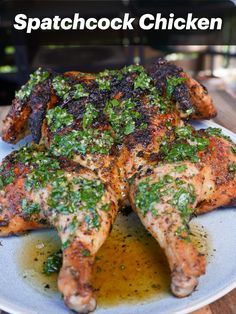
195 173
126 130
40 191
44 88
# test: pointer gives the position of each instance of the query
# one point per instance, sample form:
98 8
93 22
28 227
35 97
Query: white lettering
142 21
21 24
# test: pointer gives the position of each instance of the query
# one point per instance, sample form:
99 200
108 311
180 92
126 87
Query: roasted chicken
115 138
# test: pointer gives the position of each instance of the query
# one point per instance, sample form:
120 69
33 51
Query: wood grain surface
226 107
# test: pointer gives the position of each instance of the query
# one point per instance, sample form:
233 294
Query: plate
18 297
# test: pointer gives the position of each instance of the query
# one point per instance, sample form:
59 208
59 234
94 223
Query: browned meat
40 191
31 102
165 196
121 136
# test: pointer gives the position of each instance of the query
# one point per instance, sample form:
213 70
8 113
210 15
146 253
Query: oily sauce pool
129 267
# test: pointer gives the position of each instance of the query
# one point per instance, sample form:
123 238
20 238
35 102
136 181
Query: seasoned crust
188 95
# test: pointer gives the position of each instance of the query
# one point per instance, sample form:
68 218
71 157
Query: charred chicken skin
106 141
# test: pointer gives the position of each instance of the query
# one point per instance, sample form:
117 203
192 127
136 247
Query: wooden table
226 117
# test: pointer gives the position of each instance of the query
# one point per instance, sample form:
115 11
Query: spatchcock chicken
105 141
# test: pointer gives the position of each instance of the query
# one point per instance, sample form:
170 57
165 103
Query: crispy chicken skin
27 113
109 140
68 197
166 195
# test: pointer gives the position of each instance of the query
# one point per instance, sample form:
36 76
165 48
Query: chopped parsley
122 116
58 117
35 78
133 68
142 81
79 91
172 82
82 141
148 195
61 86
232 167
175 192
185 146
179 152
6 176
89 115
45 169
30 208
53 263
63 198
103 83
217 132
182 198
233 150
180 168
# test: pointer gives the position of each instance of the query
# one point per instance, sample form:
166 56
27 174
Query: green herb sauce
172 83
122 116
217 132
177 193
89 115
82 141
58 117
79 91
53 263
30 208
185 147
232 167
35 78
61 86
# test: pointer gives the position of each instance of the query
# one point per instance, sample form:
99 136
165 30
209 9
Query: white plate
18 297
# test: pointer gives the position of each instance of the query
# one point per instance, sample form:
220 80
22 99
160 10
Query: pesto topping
6 177
63 198
79 91
148 195
122 116
142 81
217 132
53 263
232 167
61 86
175 192
103 83
133 68
233 150
30 208
164 105
172 82
58 117
89 115
179 194
45 170
35 78
185 147
86 141
180 168
182 198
